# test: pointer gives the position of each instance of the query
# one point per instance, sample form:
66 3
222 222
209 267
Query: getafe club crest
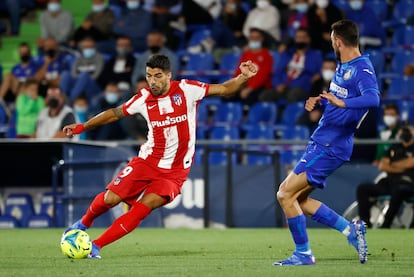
347 74
177 99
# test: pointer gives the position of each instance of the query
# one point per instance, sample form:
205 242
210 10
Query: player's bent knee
112 198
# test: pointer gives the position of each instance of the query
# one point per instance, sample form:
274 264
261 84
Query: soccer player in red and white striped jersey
164 160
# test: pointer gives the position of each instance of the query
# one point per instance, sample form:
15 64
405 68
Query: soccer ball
76 244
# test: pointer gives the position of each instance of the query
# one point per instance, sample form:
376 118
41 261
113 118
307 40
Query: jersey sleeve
136 103
368 87
194 90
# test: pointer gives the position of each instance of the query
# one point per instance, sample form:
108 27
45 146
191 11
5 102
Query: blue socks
327 216
297 226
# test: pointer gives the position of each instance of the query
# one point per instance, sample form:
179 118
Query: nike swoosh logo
150 107
367 70
303 161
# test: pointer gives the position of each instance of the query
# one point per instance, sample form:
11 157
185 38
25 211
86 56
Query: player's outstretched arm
248 70
100 119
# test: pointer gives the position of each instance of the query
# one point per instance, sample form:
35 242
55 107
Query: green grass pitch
207 252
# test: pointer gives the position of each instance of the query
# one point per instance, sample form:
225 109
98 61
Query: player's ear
169 75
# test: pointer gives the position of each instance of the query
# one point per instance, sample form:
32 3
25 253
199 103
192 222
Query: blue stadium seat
260 131
46 208
197 64
400 59
291 155
403 9
400 87
296 132
377 58
228 113
225 133
291 113
19 206
198 36
228 65
380 8
408 35
261 113
8 222
407 109
40 221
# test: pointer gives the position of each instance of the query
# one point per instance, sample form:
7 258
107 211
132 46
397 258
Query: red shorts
139 177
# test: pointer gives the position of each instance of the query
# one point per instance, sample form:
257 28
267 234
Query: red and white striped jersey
171 120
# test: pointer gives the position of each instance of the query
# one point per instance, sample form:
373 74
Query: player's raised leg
100 205
292 189
128 221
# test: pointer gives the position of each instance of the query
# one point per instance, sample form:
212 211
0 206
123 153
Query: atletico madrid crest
177 99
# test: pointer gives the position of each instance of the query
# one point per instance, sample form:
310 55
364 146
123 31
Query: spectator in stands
28 106
398 163
321 15
134 22
55 116
52 65
270 26
84 72
311 119
165 11
156 45
263 59
98 25
56 23
80 109
27 68
297 18
233 17
119 68
110 98
391 119
297 70
371 32
136 126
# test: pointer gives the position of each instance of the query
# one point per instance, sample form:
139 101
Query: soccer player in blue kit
352 91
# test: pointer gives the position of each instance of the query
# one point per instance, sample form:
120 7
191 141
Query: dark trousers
366 194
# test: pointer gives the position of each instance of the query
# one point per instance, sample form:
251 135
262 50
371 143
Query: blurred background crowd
64 61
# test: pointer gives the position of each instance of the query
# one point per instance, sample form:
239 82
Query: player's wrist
79 128
243 77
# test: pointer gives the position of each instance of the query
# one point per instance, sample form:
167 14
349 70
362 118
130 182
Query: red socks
96 208
123 224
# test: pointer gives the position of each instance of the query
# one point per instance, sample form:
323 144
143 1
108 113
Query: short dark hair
392 106
159 61
347 30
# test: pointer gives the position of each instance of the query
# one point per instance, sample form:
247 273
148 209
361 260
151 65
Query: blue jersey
23 72
356 84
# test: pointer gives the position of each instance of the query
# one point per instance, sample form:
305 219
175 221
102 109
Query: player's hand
311 103
73 129
248 69
332 99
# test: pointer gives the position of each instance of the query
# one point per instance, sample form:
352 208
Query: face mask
122 51
111 97
301 45
25 58
98 8
356 5
80 109
406 135
154 49
390 120
51 53
327 74
132 5
53 7
254 44
53 103
262 4
302 7
88 52
322 3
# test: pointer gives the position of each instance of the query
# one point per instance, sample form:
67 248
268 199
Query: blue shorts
318 163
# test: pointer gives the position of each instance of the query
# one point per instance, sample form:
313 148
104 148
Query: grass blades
209 252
